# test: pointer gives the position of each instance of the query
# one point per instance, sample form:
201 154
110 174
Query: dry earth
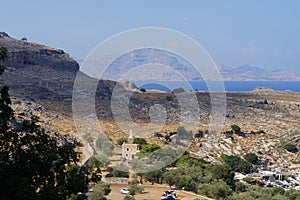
151 193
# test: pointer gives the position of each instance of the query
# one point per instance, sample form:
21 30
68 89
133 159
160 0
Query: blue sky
234 32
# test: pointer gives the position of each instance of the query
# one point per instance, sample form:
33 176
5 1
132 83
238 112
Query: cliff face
23 54
38 73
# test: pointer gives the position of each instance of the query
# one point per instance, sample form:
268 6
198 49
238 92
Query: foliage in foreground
100 191
254 193
33 163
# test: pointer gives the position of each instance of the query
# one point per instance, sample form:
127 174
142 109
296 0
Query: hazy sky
260 33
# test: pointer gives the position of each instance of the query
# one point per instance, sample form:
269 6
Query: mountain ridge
140 57
251 73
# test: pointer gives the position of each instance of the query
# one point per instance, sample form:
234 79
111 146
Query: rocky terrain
44 77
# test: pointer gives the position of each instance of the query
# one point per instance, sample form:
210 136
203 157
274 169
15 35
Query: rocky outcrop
38 73
23 54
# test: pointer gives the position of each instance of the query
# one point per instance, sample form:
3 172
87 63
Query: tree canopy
140 141
237 164
34 163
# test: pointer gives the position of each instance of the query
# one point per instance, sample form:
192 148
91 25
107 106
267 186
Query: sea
230 86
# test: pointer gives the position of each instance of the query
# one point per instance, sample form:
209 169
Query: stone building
129 149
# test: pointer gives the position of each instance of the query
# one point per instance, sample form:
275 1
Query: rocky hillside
41 74
45 75
38 73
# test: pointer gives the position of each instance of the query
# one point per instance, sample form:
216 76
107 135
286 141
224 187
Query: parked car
169 195
124 191
108 175
168 198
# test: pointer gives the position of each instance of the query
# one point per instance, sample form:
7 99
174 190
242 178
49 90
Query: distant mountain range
140 57
43 59
250 73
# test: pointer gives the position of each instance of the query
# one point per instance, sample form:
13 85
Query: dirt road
150 193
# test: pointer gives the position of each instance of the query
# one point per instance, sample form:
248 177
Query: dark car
108 175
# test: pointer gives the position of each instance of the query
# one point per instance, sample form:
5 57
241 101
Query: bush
103 158
100 191
16 101
254 193
291 148
251 158
143 90
105 145
94 163
146 148
169 98
120 141
135 188
235 128
237 164
240 187
127 197
140 141
217 190
292 194
121 171
178 90
223 172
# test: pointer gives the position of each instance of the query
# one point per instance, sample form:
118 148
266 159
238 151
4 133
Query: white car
169 195
124 191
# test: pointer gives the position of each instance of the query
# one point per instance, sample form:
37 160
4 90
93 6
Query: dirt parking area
150 193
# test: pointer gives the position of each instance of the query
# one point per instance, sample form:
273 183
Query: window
127 149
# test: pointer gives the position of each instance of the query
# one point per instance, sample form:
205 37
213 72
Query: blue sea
230 86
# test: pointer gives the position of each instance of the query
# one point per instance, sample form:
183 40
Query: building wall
129 151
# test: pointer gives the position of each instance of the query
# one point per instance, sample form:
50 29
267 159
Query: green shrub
143 90
217 190
94 163
16 101
240 187
237 164
121 171
235 128
223 172
100 191
178 90
135 188
169 98
251 158
140 141
120 141
105 145
127 197
146 148
291 148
